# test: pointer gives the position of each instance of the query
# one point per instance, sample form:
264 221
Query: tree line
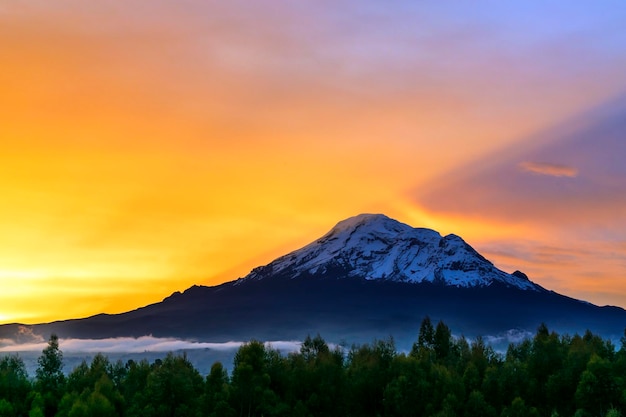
546 375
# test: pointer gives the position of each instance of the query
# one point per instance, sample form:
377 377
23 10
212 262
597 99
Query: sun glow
143 152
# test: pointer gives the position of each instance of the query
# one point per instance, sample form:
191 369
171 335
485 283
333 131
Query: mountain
373 246
369 277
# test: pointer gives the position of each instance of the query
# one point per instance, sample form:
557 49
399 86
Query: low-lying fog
201 355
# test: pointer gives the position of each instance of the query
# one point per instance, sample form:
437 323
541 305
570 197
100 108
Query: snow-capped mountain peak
374 246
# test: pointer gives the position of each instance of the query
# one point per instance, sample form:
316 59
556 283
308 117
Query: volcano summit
375 247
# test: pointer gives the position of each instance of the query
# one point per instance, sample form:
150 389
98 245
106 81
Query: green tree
133 387
442 342
597 389
90 391
14 386
85 376
50 371
97 402
37 406
173 388
250 380
445 386
49 376
481 355
408 390
450 407
493 386
562 383
513 377
6 408
317 378
519 409
471 378
368 373
275 396
613 412
547 375
477 406
462 354
546 359
217 393
425 339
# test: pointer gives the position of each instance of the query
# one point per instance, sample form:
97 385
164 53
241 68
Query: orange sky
151 145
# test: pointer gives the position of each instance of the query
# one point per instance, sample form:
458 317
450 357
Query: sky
147 146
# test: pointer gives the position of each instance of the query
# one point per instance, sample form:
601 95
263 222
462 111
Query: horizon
150 146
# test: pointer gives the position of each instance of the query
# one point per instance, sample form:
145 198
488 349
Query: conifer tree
49 375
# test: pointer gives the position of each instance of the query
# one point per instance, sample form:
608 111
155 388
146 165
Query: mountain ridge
369 277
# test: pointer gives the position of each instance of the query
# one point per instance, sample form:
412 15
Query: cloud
137 345
566 234
541 254
552 170
25 334
510 336
5 343
588 146
589 270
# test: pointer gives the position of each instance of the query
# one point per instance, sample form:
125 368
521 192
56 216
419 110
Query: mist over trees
549 375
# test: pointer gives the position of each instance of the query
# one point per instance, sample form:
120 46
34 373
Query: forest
546 375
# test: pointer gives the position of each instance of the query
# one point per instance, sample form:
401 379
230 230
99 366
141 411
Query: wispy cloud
523 184
552 170
586 269
26 334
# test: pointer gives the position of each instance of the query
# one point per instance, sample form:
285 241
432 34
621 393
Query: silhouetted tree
425 338
317 378
90 391
408 390
369 372
548 375
49 376
173 388
133 387
250 379
442 341
217 392
597 389
14 386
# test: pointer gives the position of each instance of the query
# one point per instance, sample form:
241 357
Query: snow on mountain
373 246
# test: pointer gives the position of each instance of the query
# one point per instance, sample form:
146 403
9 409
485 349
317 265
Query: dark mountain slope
369 277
